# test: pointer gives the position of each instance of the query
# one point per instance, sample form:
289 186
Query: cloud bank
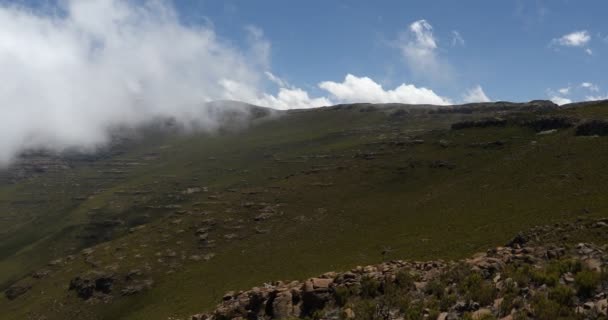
70 76
364 89
66 78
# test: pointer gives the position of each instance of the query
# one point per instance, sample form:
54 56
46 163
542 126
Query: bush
586 283
342 295
404 280
365 310
562 294
476 289
546 309
370 287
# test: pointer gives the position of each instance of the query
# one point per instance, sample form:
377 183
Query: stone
89 284
420 285
593 264
481 313
321 283
282 305
602 306
15 291
443 316
348 313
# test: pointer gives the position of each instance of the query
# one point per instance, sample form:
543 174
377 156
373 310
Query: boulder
95 282
16 290
282 307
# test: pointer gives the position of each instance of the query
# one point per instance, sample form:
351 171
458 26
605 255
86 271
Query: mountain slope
182 218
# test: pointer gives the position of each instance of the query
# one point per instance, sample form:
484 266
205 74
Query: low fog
70 75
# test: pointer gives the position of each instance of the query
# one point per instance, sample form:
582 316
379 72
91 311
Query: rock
94 282
321 283
136 287
420 285
485 123
348 313
588 305
547 132
228 296
443 316
593 264
592 128
230 236
497 303
519 240
40 274
282 305
15 291
481 314
602 306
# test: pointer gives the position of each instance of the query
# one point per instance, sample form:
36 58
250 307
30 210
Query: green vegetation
340 184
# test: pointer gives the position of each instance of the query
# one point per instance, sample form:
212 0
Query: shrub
365 310
562 294
404 280
586 283
476 289
342 295
370 287
546 309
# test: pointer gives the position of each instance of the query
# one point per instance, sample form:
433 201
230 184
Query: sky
513 50
71 70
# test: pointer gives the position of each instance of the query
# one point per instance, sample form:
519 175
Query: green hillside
177 219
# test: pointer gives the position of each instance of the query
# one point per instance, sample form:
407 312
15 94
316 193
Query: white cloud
589 51
564 91
560 100
291 98
276 80
457 39
260 47
574 39
364 89
68 78
418 47
595 98
590 86
476 94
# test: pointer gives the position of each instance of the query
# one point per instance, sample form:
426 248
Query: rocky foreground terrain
539 274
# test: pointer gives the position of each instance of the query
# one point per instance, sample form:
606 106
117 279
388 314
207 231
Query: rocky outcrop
593 128
484 123
531 277
550 123
16 290
93 283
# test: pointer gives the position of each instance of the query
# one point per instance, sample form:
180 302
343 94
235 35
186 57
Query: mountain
165 219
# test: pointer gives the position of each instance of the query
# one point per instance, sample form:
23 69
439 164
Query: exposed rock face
95 282
488 285
550 123
16 290
593 128
485 123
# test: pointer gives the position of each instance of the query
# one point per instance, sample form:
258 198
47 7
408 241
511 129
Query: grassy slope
337 210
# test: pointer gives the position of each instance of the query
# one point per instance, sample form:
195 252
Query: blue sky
463 51
509 47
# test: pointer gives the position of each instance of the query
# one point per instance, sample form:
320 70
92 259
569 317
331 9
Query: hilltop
164 220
